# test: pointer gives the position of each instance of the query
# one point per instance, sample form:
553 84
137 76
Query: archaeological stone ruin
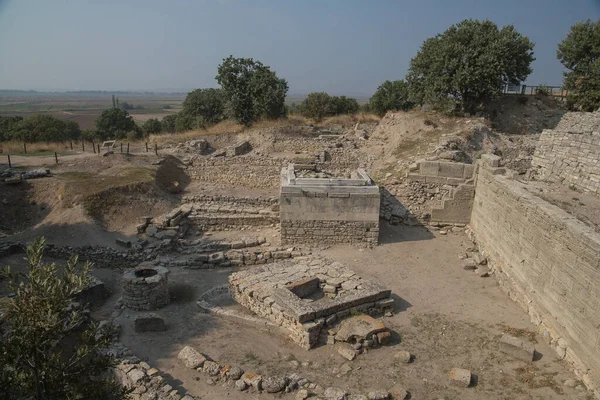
328 210
146 288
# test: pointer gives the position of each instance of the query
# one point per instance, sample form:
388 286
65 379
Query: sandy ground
446 316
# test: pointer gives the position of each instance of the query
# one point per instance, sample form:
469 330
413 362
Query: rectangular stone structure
328 210
270 292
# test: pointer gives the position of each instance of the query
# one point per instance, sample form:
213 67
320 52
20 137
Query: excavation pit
146 288
308 299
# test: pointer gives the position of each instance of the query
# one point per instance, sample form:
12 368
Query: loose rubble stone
469 264
357 397
359 327
384 338
517 348
332 393
460 377
240 385
253 380
378 395
149 322
398 392
211 368
403 356
302 394
483 271
191 358
235 373
274 384
347 352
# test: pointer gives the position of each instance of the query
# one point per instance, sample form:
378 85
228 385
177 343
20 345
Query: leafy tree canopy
168 123
114 123
319 105
39 127
390 95
49 348
252 90
203 107
468 64
153 125
579 52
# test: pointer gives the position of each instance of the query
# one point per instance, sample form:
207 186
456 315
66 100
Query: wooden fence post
156 148
71 143
82 145
146 147
98 147
93 147
56 157
121 147
128 148
24 147
9 164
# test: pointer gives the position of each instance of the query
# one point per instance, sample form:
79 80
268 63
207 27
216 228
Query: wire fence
529 90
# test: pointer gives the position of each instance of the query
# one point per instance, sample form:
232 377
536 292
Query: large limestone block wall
546 260
570 154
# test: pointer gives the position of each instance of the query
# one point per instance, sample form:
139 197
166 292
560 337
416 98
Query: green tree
50 349
467 65
252 90
579 52
7 127
317 106
114 123
153 125
390 95
203 107
343 105
41 127
168 123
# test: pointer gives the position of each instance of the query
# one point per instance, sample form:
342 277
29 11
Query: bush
316 106
168 123
202 107
49 347
466 66
390 96
579 53
543 90
42 127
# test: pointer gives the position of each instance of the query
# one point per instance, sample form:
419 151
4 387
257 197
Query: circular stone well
146 288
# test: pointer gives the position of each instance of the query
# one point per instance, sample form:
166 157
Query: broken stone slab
347 351
360 327
191 358
253 380
149 322
460 377
517 347
483 271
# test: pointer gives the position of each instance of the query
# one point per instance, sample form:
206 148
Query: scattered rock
347 352
360 327
403 356
302 394
191 358
240 385
384 338
469 264
398 392
460 377
235 373
274 384
483 271
253 380
332 393
571 383
211 368
378 395
517 347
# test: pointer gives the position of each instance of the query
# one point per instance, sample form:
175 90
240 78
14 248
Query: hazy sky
340 46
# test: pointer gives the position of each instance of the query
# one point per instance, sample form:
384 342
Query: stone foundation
329 232
307 298
146 288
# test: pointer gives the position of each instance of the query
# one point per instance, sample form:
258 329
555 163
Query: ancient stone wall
571 153
547 261
327 211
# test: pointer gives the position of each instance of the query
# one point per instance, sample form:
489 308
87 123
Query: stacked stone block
146 288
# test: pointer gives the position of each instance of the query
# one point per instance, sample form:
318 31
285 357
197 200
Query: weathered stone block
149 322
517 347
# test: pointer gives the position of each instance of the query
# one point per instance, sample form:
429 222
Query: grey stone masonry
146 288
570 154
328 210
274 291
546 260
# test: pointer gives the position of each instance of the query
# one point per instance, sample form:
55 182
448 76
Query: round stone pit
146 288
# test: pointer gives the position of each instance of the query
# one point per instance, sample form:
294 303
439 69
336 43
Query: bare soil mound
525 114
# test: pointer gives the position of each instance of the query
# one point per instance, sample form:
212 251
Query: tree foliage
252 90
115 123
168 123
50 349
202 107
153 125
468 64
390 95
39 127
579 52
319 105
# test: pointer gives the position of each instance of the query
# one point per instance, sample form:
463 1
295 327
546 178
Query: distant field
85 108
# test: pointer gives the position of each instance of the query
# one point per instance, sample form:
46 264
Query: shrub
390 96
